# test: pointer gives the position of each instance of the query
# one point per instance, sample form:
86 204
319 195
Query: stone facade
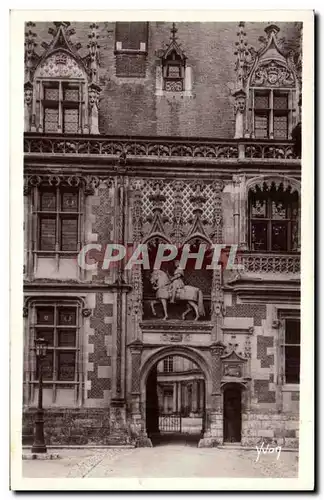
152 165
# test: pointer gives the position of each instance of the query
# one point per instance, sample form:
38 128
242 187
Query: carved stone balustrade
152 149
270 263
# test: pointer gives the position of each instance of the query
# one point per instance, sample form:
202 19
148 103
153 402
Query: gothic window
58 220
61 104
271 113
273 220
168 364
131 49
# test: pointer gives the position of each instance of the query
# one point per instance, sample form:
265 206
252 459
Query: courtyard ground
182 459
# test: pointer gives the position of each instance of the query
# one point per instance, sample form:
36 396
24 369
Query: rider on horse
176 281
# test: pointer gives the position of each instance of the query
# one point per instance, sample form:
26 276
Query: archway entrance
175 401
232 413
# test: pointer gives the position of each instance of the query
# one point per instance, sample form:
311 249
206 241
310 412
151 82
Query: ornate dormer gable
272 68
173 75
64 85
267 88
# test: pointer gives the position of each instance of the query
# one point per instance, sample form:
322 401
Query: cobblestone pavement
172 460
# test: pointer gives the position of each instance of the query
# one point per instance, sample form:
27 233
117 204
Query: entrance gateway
175 400
183 400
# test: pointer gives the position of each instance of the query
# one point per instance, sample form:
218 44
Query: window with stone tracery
61 106
58 322
58 220
272 114
273 220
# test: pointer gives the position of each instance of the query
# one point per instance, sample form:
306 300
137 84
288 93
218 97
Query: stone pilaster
213 435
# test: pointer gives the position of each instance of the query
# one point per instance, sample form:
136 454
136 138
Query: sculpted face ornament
240 104
93 97
28 96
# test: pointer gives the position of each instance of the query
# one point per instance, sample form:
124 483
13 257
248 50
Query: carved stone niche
233 366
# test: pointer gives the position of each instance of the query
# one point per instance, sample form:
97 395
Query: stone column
214 434
194 396
174 396
179 397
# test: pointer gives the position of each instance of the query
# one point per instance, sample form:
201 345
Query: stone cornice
73 287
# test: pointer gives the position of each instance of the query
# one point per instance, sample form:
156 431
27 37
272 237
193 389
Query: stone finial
93 47
272 29
30 45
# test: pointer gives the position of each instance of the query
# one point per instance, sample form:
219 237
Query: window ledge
291 388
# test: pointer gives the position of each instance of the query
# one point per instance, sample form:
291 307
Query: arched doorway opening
175 394
232 413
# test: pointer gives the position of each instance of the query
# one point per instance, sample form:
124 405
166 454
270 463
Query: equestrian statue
173 289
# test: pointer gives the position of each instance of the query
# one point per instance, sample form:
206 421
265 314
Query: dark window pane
45 315
65 365
47 364
47 334
67 338
280 101
48 200
258 208
292 331
280 127
71 94
131 34
51 119
70 201
67 316
71 120
259 235
47 233
279 236
69 234
51 93
278 210
261 101
292 364
261 126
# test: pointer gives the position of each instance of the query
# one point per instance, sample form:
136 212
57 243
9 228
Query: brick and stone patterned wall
272 416
129 106
99 227
99 352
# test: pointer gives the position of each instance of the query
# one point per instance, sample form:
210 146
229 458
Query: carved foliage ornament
88 182
273 74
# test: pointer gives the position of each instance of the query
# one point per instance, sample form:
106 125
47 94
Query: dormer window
62 90
267 89
173 73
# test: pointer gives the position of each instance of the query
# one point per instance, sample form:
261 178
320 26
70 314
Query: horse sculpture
162 284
